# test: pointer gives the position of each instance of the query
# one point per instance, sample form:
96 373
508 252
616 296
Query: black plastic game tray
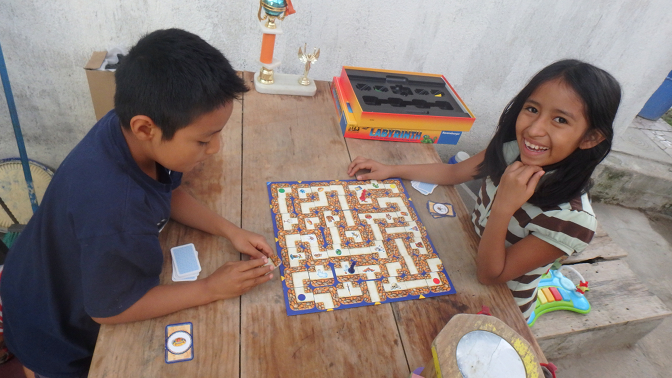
381 92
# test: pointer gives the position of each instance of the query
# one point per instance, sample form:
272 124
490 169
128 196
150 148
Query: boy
91 255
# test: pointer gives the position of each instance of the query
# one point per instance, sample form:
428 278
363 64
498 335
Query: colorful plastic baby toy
556 292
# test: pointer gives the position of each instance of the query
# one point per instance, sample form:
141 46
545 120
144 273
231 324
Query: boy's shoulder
101 144
97 165
99 183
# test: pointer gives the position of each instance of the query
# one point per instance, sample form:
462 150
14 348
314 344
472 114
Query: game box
101 84
399 106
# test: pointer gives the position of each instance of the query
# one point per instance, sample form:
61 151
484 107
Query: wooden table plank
456 243
290 138
138 349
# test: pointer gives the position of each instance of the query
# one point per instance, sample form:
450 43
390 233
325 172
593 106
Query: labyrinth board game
399 106
351 243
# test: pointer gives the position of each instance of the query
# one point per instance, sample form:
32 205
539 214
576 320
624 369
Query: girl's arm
495 263
436 173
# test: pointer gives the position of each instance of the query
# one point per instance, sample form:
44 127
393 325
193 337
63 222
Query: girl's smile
534 147
551 124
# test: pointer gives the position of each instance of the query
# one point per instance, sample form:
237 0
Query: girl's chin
533 160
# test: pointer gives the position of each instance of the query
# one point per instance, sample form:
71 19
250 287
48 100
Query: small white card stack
423 187
186 266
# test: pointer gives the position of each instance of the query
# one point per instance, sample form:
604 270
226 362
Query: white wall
486 49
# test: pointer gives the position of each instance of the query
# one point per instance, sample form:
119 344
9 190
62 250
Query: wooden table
286 138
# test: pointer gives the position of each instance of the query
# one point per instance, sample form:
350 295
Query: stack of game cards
423 187
186 266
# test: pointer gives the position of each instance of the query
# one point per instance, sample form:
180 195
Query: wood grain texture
601 247
291 138
622 311
456 243
137 349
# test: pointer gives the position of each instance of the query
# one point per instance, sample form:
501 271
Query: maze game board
352 243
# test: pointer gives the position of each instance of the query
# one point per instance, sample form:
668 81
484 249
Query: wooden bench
602 247
623 310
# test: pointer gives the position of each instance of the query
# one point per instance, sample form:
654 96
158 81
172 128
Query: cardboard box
402 100
351 129
101 84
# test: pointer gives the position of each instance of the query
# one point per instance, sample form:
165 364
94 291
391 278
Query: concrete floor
648 241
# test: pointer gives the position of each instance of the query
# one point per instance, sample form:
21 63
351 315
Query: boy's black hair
173 76
601 95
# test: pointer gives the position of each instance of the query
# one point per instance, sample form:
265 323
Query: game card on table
186 266
179 342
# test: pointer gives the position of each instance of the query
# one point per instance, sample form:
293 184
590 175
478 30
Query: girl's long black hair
601 95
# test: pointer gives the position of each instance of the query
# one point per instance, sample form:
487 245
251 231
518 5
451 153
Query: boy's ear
144 128
591 139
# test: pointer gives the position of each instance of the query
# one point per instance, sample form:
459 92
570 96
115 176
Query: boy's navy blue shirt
91 250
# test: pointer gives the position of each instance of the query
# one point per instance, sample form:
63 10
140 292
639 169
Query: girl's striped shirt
569 226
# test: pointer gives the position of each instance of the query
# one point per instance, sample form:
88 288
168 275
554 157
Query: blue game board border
285 289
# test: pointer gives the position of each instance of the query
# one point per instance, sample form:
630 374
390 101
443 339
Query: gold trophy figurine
308 59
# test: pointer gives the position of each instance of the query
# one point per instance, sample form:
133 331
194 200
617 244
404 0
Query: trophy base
285 84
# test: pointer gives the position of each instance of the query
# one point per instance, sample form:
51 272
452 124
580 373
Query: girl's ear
591 139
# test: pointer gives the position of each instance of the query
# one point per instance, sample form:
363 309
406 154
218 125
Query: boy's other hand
237 277
378 170
251 244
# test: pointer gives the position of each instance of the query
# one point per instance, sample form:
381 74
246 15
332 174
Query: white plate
183 345
440 208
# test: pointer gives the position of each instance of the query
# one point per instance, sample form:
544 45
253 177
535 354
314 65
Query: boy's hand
251 244
517 185
378 170
235 278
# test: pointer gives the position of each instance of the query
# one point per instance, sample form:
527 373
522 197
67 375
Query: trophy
273 9
270 13
308 59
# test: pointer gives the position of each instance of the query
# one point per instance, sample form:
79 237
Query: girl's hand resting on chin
516 186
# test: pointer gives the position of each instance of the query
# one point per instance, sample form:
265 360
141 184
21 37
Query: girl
533 207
